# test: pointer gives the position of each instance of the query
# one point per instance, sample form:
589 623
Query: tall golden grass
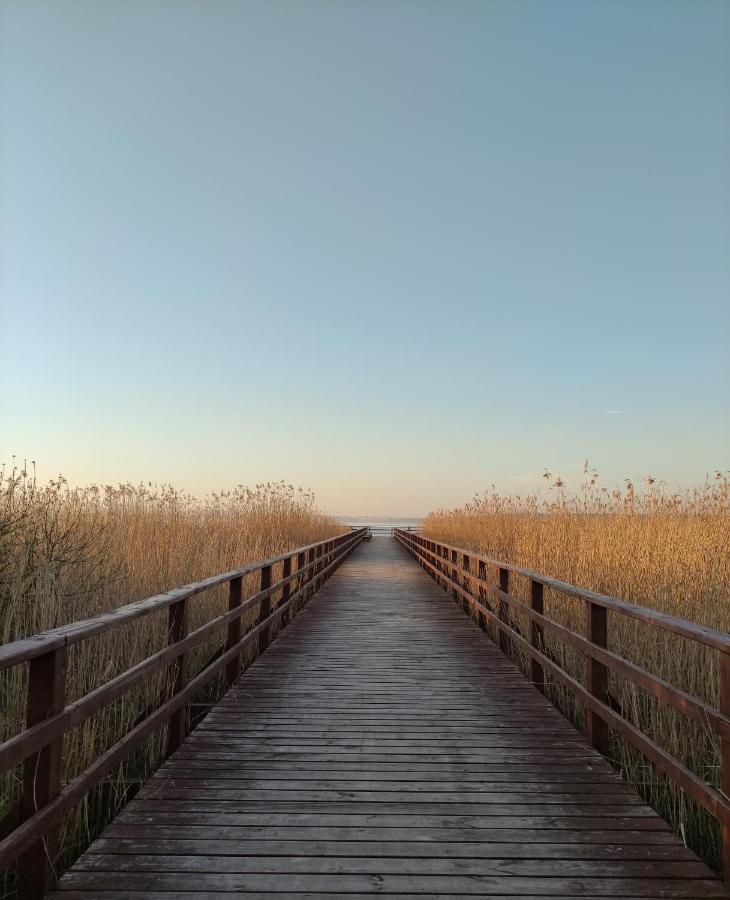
644 544
69 553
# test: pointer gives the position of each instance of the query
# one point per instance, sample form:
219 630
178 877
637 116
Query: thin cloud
615 412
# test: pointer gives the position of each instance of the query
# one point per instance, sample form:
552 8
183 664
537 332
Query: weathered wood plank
388 865
338 884
121 894
642 820
172 843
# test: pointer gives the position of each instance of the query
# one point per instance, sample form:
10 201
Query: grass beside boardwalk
67 554
669 551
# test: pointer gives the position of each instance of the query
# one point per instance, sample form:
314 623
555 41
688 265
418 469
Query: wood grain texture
383 746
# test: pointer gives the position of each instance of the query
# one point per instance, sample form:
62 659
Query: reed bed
646 545
70 553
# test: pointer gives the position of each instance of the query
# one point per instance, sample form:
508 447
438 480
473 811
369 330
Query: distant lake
381 523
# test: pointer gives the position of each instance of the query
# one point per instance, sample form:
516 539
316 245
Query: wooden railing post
504 641
455 577
596 675
311 556
265 608
301 581
177 630
286 592
465 605
319 550
42 770
537 675
724 672
235 596
317 568
328 548
321 554
482 594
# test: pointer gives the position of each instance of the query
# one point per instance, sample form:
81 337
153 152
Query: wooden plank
549 840
339 884
169 791
446 864
285 895
122 894
329 778
587 823
407 810
241 846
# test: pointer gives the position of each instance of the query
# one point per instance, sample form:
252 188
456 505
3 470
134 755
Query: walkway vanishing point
382 745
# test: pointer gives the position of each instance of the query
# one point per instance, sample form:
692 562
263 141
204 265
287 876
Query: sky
391 250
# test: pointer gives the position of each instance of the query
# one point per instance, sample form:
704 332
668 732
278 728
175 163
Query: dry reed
665 550
69 553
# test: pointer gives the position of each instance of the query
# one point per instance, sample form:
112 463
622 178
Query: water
381 525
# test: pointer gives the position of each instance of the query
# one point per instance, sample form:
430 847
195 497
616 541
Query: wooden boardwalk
382 745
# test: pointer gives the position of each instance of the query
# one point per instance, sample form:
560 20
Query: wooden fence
466 576
384 529
30 830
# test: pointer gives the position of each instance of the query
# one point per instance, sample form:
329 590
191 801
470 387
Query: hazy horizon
392 252
537 485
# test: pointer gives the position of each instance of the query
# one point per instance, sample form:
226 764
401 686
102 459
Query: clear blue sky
393 251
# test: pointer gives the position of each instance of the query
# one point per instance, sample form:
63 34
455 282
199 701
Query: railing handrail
710 637
25 649
31 828
385 525
463 572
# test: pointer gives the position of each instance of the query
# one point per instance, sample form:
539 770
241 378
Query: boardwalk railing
380 530
466 575
31 828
